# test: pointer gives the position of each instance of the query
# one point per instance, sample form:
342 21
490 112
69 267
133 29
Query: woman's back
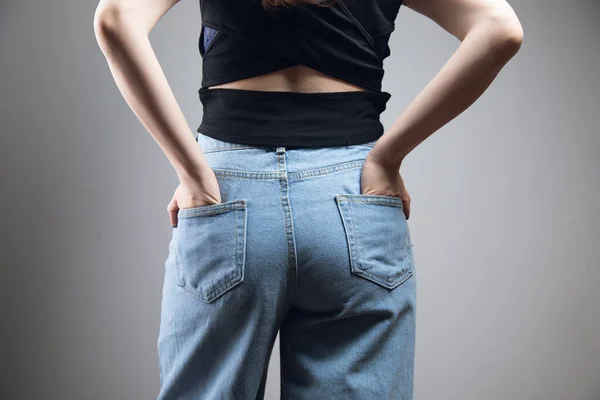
327 58
298 78
343 39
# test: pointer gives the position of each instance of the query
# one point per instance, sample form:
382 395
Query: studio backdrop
505 212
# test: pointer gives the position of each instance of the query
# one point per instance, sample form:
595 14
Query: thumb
406 207
172 209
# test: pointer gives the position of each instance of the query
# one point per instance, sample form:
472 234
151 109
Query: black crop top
349 41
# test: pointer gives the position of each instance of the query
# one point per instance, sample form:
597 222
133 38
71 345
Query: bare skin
298 78
489 32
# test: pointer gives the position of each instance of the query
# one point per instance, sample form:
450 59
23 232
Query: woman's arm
490 35
122 28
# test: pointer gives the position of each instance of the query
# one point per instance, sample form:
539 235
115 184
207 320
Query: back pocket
211 248
378 238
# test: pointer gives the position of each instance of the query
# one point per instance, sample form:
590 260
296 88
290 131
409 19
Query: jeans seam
237 147
247 175
345 166
219 208
376 199
294 176
288 223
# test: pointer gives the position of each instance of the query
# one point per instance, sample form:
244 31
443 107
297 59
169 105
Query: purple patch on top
209 35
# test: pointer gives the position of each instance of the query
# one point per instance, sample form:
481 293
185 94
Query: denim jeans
294 248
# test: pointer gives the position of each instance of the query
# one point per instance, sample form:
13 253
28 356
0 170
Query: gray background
505 214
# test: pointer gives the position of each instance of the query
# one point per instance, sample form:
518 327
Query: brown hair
285 3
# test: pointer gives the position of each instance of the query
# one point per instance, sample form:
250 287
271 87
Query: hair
286 3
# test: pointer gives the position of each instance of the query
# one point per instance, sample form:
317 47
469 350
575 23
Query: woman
291 214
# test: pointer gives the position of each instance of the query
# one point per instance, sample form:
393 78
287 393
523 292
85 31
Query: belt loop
280 149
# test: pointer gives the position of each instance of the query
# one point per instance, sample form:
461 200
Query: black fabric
348 41
292 118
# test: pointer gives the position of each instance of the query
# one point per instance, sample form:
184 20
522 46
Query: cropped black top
348 41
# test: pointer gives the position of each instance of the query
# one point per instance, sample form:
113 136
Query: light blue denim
294 248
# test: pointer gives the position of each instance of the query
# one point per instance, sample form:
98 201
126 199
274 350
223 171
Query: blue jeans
294 248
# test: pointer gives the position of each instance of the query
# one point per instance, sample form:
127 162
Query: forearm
138 75
469 71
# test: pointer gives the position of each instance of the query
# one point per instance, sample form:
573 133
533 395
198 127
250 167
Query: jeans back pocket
378 238
211 248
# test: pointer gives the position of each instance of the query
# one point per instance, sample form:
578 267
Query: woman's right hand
385 180
201 191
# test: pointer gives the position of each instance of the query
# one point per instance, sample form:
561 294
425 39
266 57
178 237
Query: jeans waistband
209 144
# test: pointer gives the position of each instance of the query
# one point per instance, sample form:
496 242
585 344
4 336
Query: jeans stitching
247 175
294 176
347 165
236 147
288 222
379 200
214 209
354 241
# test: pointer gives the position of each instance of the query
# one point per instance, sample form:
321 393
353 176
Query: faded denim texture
294 248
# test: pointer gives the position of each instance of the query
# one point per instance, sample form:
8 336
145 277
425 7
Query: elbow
110 19
506 36
511 39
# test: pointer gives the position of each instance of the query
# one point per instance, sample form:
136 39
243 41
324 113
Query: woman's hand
202 191
382 179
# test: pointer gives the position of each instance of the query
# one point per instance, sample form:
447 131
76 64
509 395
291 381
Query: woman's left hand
200 191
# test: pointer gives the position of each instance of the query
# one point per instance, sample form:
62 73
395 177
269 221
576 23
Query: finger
173 218
406 204
172 209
